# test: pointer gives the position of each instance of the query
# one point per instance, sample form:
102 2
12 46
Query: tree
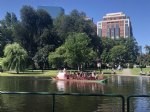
44 31
14 57
29 18
75 22
132 49
8 19
28 23
35 31
129 43
117 54
41 57
13 18
107 44
6 31
145 58
105 57
75 52
44 20
147 48
77 49
6 37
57 59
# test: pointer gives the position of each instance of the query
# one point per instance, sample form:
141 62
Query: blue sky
138 10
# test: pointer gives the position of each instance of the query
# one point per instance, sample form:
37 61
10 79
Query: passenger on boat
79 75
93 75
101 76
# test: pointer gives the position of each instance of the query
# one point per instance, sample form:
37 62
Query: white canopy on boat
61 75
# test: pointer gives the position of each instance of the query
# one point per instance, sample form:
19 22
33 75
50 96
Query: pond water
37 103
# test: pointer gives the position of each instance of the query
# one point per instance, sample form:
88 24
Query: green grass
34 73
136 71
46 73
109 70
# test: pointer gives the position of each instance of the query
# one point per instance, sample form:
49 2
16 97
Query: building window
99 32
126 30
112 31
108 32
117 31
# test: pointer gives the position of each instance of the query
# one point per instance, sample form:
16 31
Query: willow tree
14 57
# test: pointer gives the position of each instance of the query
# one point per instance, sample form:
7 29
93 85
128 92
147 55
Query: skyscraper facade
114 25
53 11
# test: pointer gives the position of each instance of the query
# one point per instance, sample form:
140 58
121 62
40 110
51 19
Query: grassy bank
34 73
136 71
109 71
46 73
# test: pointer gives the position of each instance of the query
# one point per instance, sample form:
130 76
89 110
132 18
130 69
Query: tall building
114 25
54 11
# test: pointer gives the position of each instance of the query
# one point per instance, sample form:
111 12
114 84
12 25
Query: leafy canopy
14 57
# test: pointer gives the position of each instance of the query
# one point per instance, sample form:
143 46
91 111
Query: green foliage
10 19
105 57
147 48
77 50
6 30
6 37
113 52
144 60
14 57
73 35
132 49
41 57
74 53
117 53
29 17
57 58
75 22
107 44
35 32
44 20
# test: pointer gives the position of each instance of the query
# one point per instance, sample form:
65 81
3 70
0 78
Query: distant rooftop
114 14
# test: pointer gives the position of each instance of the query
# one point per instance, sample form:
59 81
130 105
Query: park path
127 72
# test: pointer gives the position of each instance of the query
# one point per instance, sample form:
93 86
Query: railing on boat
68 94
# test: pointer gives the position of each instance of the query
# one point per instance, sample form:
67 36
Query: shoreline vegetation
39 41
52 73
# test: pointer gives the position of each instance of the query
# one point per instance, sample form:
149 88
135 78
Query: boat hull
88 81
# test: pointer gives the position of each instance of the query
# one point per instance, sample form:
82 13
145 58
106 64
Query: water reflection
116 85
75 86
